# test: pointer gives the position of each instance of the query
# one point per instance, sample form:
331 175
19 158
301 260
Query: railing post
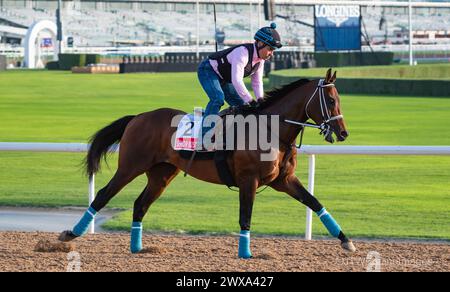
311 174
91 199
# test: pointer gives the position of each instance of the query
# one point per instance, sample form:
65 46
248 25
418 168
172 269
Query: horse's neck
291 107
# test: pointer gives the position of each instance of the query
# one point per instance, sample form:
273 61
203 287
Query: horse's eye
332 101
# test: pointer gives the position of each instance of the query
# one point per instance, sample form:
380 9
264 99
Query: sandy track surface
110 252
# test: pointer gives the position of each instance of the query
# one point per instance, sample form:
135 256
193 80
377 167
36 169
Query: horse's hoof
67 236
348 246
245 256
136 251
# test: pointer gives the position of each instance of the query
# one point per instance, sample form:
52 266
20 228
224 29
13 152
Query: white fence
310 150
313 150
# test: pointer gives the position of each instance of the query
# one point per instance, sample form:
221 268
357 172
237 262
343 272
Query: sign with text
337 28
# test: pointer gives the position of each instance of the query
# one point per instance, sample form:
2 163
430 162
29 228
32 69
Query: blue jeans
217 90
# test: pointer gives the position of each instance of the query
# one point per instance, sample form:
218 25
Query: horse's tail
101 142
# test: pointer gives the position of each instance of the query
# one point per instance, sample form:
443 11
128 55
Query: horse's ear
327 78
333 79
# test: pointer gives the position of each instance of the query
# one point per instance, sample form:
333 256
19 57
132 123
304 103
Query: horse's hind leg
159 178
119 180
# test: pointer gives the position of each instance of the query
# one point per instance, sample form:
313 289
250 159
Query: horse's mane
277 93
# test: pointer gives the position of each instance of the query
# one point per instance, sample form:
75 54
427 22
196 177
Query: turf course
426 71
370 196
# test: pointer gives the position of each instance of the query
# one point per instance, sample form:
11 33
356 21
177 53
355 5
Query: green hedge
399 87
420 72
54 65
92 59
353 59
67 61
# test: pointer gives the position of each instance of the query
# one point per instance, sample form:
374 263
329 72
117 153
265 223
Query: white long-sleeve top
238 58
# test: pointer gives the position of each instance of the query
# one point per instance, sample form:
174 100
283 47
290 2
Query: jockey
221 74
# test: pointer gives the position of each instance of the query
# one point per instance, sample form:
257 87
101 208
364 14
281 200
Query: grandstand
111 23
116 28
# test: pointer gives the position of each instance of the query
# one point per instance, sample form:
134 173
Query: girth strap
220 159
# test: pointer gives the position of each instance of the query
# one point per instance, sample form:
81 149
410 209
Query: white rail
54 147
374 150
311 150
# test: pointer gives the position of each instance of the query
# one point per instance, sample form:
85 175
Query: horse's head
324 107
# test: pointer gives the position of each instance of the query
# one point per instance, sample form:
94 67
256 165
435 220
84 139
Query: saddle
219 156
220 159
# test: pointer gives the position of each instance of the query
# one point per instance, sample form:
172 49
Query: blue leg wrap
244 245
136 237
329 222
82 227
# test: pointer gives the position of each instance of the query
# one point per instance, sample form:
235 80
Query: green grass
370 196
61 106
428 71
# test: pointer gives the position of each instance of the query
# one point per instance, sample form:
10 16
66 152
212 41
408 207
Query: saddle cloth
188 142
188 133
189 130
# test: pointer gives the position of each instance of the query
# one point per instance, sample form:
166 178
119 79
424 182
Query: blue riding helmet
269 36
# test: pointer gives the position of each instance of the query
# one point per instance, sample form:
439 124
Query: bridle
325 126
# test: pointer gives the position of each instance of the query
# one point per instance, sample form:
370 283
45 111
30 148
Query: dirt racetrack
110 252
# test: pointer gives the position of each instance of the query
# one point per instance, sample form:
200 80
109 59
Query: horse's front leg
293 187
247 192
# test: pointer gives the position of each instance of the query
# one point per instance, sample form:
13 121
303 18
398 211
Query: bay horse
145 147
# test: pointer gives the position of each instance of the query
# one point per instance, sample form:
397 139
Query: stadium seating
97 27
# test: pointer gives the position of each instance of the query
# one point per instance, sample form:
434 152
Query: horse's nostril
344 134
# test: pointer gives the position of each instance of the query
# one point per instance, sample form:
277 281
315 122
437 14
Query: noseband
324 127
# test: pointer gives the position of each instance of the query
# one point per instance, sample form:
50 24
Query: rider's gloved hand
253 104
261 100
246 105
